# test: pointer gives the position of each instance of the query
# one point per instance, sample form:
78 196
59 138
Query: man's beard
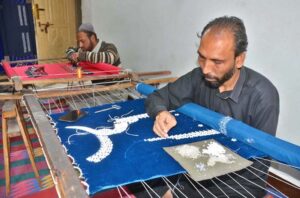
90 48
218 81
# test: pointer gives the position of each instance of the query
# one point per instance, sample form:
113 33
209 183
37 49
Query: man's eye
200 58
218 62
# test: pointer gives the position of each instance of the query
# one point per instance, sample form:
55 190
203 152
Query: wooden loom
65 178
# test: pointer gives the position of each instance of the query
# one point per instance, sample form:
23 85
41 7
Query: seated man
223 84
92 49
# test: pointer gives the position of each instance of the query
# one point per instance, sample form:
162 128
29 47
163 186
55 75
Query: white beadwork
217 153
188 151
200 166
103 152
120 126
223 124
184 135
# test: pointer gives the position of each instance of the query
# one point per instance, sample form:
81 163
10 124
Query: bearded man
92 49
223 84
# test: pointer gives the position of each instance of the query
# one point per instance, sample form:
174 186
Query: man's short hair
233 24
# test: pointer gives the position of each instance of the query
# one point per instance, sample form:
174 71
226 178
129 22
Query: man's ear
93 37
239 60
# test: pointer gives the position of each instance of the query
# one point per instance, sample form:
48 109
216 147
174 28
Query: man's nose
206 67
80 44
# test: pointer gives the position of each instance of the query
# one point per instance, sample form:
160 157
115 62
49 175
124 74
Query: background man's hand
164 121
74 57
72 54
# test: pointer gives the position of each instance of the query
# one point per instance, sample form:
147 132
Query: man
92 49
224 85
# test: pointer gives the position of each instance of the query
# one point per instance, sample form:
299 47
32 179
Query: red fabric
105 68
61 70
8 70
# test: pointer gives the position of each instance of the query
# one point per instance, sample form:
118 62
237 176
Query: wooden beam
9 96
56 93
66 80
154 73
7 83
284 186
48 94
3 77
66 179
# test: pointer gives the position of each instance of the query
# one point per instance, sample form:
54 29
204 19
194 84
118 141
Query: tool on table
112 107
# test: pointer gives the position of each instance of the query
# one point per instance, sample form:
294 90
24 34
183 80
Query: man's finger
170 122
158 130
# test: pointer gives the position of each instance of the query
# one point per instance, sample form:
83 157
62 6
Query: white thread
79 170
87 186
109 108
223 124
184 135
76 134
117 117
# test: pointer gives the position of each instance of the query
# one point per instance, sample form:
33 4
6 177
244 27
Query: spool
79 72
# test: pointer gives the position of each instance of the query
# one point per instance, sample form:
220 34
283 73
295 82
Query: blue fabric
144 88
132 159
276 148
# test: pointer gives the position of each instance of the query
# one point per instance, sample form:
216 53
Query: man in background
92 49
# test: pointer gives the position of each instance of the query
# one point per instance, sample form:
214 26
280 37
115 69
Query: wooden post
6 148
11 111
66 181
26 139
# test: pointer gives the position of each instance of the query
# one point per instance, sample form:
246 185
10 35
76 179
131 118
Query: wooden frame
65 178
64 175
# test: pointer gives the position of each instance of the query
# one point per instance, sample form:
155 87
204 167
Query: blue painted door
17 30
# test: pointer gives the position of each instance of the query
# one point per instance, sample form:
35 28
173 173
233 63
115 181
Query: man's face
216 57
85 42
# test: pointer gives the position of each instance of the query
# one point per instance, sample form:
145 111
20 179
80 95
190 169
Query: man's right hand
164 121
72 54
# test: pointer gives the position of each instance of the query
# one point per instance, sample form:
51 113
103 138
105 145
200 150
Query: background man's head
222 50
87 37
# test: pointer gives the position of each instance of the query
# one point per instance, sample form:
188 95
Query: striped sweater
107 53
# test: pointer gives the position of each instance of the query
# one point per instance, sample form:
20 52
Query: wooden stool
12 110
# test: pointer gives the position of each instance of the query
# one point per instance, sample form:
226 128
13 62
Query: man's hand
74 57
164 121
72 54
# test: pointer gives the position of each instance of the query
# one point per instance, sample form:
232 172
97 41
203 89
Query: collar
235 93
97 47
